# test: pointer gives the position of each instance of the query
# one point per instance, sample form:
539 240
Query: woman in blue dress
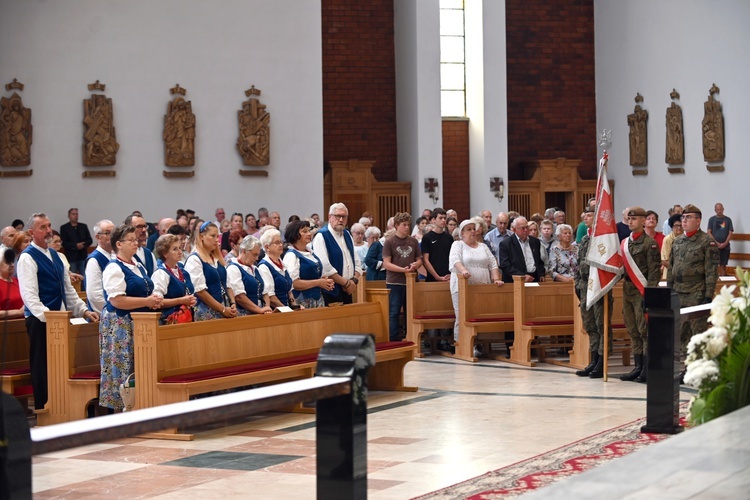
172 282
304 267
276 281
208 272
245 280
128 288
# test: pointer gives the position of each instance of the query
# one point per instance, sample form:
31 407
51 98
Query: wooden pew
428 306
15 376
540 310
485 312
72 368
175 362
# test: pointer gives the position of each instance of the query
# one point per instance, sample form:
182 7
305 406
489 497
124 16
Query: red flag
604 248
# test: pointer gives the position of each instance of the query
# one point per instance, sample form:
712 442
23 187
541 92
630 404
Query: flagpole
606 334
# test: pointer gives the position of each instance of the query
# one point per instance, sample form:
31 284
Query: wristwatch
356 281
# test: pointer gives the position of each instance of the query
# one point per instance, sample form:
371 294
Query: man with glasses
335 248
144 256
520 254
95 264
220 214
692 271
45 286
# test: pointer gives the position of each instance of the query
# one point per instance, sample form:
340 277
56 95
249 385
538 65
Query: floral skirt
116 346
310 303
203 312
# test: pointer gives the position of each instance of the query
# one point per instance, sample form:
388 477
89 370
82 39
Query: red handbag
182 315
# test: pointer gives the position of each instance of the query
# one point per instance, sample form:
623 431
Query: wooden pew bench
175 362
72 368
15 373
540 310
428 306
485 313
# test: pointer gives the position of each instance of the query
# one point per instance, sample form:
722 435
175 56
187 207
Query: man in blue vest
45 286
335 248
95 264
143 255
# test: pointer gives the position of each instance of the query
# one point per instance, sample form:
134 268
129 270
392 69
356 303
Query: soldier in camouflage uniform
692 271
645 255
593 319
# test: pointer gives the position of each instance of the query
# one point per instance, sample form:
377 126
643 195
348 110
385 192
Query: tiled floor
465 420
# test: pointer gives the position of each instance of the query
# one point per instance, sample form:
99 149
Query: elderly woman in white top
472 260
276 280
563 255
360 244
244 278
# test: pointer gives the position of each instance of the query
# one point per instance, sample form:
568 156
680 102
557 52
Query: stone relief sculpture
637 135
99 139
713 128
179 131
254 141
15 129
675 152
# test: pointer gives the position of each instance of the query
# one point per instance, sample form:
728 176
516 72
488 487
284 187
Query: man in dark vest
95 264
143 255
45 286
335 248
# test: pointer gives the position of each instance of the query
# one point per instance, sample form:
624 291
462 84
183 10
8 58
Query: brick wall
551 82
456 167
359 83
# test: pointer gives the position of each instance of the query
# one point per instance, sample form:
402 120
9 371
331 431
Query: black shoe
587 371
635 372
598 371
643 376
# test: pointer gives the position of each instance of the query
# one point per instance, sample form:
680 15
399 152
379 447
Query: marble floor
465 420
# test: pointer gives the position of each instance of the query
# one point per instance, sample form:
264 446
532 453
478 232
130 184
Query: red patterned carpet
544 469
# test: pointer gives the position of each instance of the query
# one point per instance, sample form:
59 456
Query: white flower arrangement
718 361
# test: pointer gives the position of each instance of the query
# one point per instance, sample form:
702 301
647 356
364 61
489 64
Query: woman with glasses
245 280
127 287
208 273
304 267
472 260
451 224
277 283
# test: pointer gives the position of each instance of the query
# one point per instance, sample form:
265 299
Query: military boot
635 371
643 377
598 371
587 371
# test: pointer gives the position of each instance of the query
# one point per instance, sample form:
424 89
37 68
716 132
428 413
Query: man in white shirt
143 255
45 286
6 237
335 248
95 264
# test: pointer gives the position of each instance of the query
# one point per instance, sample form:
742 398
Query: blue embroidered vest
253 286
102 259
50 278
308 270
149 264
282 283
216 280
336 256
176 288
136 285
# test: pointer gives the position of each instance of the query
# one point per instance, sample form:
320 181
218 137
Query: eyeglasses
104 233
141 226
340 216
688 217
130 240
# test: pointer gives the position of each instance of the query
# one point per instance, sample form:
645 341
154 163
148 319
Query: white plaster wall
651 47
418 120
140 49
486 102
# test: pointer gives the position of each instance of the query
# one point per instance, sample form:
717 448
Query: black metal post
663 386
341 430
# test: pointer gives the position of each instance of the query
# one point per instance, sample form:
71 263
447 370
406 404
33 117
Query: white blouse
113 278
194 267
478 261
234 278
265 273
292 265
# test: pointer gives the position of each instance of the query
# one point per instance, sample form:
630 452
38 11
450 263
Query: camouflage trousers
593 323
692 327
635 318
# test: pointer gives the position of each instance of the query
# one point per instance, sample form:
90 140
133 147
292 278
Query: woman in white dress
472 260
